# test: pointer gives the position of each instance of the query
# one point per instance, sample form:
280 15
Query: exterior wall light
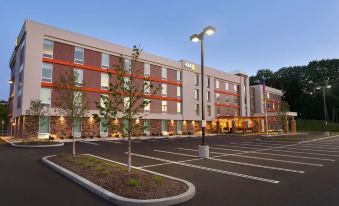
10 81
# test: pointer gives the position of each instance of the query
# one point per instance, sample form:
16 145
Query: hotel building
43 53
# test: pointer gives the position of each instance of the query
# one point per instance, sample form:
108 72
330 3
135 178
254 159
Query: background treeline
299 85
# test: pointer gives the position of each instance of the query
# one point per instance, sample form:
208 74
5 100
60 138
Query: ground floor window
146 125
77 126
164 125
179 126
103 126
44 125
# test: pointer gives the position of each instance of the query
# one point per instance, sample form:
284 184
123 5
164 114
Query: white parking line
211 152
295 146
236 150
225 145
113 142
278 160
294 156
175 153
317 147
310 153
210 169
237 162
88 142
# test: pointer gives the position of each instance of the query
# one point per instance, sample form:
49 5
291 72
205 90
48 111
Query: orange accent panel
87 89
57 61
224 92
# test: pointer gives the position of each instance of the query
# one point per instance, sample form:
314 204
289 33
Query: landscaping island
37 144
103 177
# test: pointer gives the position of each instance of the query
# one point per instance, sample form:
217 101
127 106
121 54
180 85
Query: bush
51 137
132 182
158 179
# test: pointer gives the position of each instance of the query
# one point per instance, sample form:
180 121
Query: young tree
126 98
71 102
37 110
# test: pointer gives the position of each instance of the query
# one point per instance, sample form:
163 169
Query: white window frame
164 106
47 55
102 61
147 69
217 95
48 98
163 72
102 104
46 78
235 88
104 84
179 108
80 79
197 109
196 79
147 107
79 61
147 87
226 85
164 89
179 79
178 91
217 84
196 94
208 96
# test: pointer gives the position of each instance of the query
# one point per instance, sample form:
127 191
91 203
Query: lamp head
328 86
209 30
195 38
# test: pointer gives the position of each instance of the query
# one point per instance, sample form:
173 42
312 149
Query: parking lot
241 170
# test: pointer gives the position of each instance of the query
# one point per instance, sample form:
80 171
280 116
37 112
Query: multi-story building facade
43 53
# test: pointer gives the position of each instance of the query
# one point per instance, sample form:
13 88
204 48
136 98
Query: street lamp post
203 148
324 100
2 127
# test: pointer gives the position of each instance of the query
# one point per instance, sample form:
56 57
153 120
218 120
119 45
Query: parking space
241 171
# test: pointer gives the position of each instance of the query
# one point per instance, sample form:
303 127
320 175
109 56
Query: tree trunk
73 141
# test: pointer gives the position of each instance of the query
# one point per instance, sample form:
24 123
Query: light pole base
327 134
204 151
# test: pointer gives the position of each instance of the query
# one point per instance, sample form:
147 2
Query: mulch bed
114 178
37 143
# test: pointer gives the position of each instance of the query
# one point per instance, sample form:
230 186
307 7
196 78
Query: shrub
158 179
51 137
132 182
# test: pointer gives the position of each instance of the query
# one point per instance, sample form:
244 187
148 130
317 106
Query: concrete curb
116 199
36 146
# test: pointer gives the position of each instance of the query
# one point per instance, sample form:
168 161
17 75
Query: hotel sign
189 66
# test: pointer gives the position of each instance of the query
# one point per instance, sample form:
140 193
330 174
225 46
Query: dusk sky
250 35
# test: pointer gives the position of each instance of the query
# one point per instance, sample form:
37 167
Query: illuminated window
179 76
147 108
217 84
226 86
196 94
178 91
163 73
179 107
104 81
45 96
164 106
164 89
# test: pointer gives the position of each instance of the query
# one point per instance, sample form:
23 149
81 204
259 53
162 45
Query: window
126 103
179 76
273 106
147 108
22 55
208 110
179 125
236 101
164 125
126 83
47 70
226 86
236 113
79 55
164 106
128 65
208 82
104 60
77 98
218 110
147 87
179 107
45 96
227 111
196 80
79 77
217 84
103 99
164 89
208 96
218 96
196 94
178 91
48 48
146 125
163 73
235 87
227 99
196 109
103 126
77 126
268 95
147 70
104 81
44 125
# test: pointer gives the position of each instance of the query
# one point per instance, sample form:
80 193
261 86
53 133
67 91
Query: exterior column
293 126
